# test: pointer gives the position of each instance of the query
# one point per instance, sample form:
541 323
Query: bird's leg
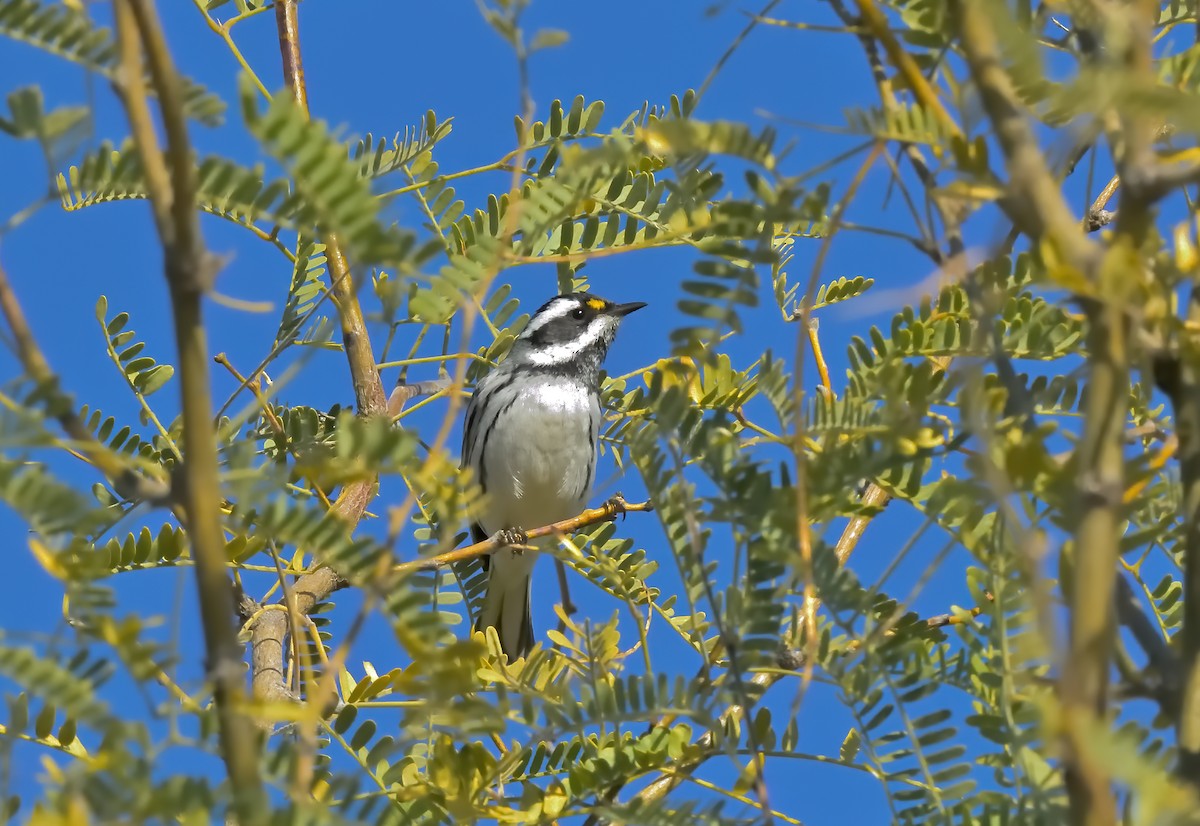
510 537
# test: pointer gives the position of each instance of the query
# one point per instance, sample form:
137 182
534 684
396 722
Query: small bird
530 437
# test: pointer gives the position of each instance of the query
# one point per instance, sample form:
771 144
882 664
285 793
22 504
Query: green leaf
325 178
143 373
60 30
548 39
307 288
850 746
376 160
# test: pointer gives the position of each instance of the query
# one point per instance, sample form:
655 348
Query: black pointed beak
622 310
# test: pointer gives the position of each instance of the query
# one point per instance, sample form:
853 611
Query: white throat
568 350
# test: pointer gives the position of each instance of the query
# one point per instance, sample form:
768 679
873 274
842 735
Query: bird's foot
510 537
616 504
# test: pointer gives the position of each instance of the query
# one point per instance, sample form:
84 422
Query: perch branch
188 269
607 512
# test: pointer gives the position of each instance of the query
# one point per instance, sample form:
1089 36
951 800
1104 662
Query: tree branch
270 628
268 632
1178 376
610 510
1097 216
404 392
188 270
1155 180
1160 658
1035 203
874 21
873 498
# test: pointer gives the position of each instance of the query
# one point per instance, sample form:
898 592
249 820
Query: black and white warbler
530 437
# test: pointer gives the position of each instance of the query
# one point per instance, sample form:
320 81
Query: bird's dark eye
578 312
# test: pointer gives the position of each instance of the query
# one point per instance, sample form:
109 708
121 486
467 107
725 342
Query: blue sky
377 66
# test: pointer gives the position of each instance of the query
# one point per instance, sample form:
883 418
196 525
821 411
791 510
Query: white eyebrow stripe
558 309
561 353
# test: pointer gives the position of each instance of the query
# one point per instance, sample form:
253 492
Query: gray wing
470 434
593 439
489 401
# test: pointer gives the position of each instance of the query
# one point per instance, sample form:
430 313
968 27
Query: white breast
540 456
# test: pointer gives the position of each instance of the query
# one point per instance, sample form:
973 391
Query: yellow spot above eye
597 304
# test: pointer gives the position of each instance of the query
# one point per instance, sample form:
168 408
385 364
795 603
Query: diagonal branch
271 627
1035 204
368 387
1161 660
126 478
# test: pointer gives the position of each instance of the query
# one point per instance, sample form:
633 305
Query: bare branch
1099 219
1161 659
874 499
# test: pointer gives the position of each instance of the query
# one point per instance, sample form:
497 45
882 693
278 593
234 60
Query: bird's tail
506 607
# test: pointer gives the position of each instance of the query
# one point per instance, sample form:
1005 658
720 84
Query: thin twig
273 420
814 342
